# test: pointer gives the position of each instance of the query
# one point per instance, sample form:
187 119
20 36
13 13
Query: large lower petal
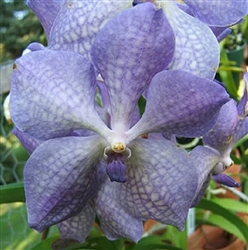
161 182
197 49
46 11
60 178
132 47
78 227
115 221
219 12
53 93
180 103
78 22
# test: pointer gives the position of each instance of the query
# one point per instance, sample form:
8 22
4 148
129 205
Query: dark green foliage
18 28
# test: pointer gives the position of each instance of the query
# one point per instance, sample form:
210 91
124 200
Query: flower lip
116 171
225 180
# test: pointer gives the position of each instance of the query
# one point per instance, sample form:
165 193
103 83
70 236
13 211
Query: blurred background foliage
18 28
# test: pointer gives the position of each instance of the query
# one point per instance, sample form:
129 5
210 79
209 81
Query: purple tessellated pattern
75 108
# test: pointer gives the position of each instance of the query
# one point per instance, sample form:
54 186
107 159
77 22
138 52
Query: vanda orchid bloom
231 126
113 173
73 26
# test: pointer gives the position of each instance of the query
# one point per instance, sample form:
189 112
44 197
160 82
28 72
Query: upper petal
60 178
53 93
132 47
78 22
197 49
180 103
218 12
46 11
161 182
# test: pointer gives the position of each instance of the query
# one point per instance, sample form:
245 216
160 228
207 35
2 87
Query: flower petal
53 93
205 159
78 227
46 11
197 49
180 103
27 141
115 221
221 32
242 129
161 182
59 179
221 135
132 47
78 22
218 12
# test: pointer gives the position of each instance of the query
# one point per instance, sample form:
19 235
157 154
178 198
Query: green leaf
102 243
227 77
178 238
228 215
153 242
231 204
45 244
14 231
225 224
13 192
241 141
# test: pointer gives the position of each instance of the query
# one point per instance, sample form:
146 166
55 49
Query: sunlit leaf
225 224
231 204
227 214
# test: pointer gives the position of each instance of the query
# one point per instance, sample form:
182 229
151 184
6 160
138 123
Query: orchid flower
231 126
111 172
73 25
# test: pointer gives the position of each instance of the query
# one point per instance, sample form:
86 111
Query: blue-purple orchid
231 126
89 160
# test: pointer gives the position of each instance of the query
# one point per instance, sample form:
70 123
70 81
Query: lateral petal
132 47
180 103
60 178
53 93
161 182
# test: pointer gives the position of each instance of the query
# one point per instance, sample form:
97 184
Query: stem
238 193
45 233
